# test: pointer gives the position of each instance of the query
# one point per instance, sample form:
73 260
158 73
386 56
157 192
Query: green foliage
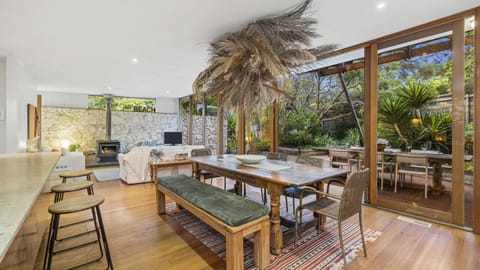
299 127
96 102
74 147
352 137
324 140
469 138
417 94
397 113
231 132
260 145
210 101
122 103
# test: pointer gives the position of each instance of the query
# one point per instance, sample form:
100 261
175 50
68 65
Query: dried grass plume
254 64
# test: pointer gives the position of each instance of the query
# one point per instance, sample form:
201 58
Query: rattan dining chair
413 165
338 207
294 192
204 175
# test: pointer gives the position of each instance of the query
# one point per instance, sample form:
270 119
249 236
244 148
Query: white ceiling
87 46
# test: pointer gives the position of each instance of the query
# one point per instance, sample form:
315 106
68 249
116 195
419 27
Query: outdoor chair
204 175
338 207
340 158
413 165
382 164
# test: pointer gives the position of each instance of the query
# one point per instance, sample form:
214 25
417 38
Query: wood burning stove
107 151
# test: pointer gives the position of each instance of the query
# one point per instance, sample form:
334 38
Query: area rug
313 251
107 174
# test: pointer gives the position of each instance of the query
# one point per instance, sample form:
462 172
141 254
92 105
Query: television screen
173 137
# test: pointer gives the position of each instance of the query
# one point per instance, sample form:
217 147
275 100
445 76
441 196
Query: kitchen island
22 177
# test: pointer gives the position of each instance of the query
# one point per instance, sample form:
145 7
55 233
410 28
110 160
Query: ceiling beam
394 55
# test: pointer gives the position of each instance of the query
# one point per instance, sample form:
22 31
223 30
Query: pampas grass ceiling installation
254 64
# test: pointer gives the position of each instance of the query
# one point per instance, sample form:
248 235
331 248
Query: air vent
415 221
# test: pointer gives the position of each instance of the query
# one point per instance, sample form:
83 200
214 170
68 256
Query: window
127 104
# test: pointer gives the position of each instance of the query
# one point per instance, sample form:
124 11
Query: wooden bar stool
73 174
60 189
70 187
73 205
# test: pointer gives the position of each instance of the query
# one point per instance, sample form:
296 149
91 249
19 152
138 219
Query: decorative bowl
250 159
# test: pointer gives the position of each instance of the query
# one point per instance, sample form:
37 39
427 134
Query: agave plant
393 111
253 64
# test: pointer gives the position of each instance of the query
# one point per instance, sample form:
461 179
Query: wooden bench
233 216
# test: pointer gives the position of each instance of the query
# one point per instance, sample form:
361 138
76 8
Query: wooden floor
140 239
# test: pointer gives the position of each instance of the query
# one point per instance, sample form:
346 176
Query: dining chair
272 156
340 158
338 207
382 165
294 192
204 175
413 165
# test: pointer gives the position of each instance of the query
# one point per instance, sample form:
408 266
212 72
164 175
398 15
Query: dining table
435 158
274 176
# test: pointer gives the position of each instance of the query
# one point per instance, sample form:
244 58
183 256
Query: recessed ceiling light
134 60
167 92
109 87
381 5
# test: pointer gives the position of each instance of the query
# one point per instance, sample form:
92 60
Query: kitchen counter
22 176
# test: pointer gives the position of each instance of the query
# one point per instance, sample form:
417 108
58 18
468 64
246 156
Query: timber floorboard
140 239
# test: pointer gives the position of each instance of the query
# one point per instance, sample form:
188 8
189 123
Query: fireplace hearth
107 150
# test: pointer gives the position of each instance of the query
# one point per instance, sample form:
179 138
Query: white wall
64 100
20 91
166 105
3 97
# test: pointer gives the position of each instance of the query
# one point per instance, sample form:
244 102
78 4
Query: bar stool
73 205
73 174
60 189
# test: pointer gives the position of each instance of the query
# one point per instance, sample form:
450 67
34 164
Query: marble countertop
22 176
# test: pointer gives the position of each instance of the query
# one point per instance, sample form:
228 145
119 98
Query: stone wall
85 127
75 125
133 127
211 131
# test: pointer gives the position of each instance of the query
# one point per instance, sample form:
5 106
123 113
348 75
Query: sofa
134 167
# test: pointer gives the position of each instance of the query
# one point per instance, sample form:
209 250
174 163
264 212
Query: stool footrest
74 247
75 223
76 235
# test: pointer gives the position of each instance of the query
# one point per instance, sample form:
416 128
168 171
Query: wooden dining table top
281 172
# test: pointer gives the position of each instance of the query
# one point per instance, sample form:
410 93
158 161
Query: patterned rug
313 251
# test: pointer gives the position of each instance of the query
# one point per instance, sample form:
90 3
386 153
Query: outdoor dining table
435 158
273 175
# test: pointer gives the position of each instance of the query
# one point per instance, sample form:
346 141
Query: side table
170 163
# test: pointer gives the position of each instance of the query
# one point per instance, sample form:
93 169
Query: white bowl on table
250 159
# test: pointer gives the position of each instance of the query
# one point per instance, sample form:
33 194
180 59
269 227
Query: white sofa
134 166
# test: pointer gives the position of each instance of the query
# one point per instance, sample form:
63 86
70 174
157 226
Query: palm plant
393 112
399 112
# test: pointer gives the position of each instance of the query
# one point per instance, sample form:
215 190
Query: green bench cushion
228 207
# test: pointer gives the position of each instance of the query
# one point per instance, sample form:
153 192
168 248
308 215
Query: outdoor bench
233 216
